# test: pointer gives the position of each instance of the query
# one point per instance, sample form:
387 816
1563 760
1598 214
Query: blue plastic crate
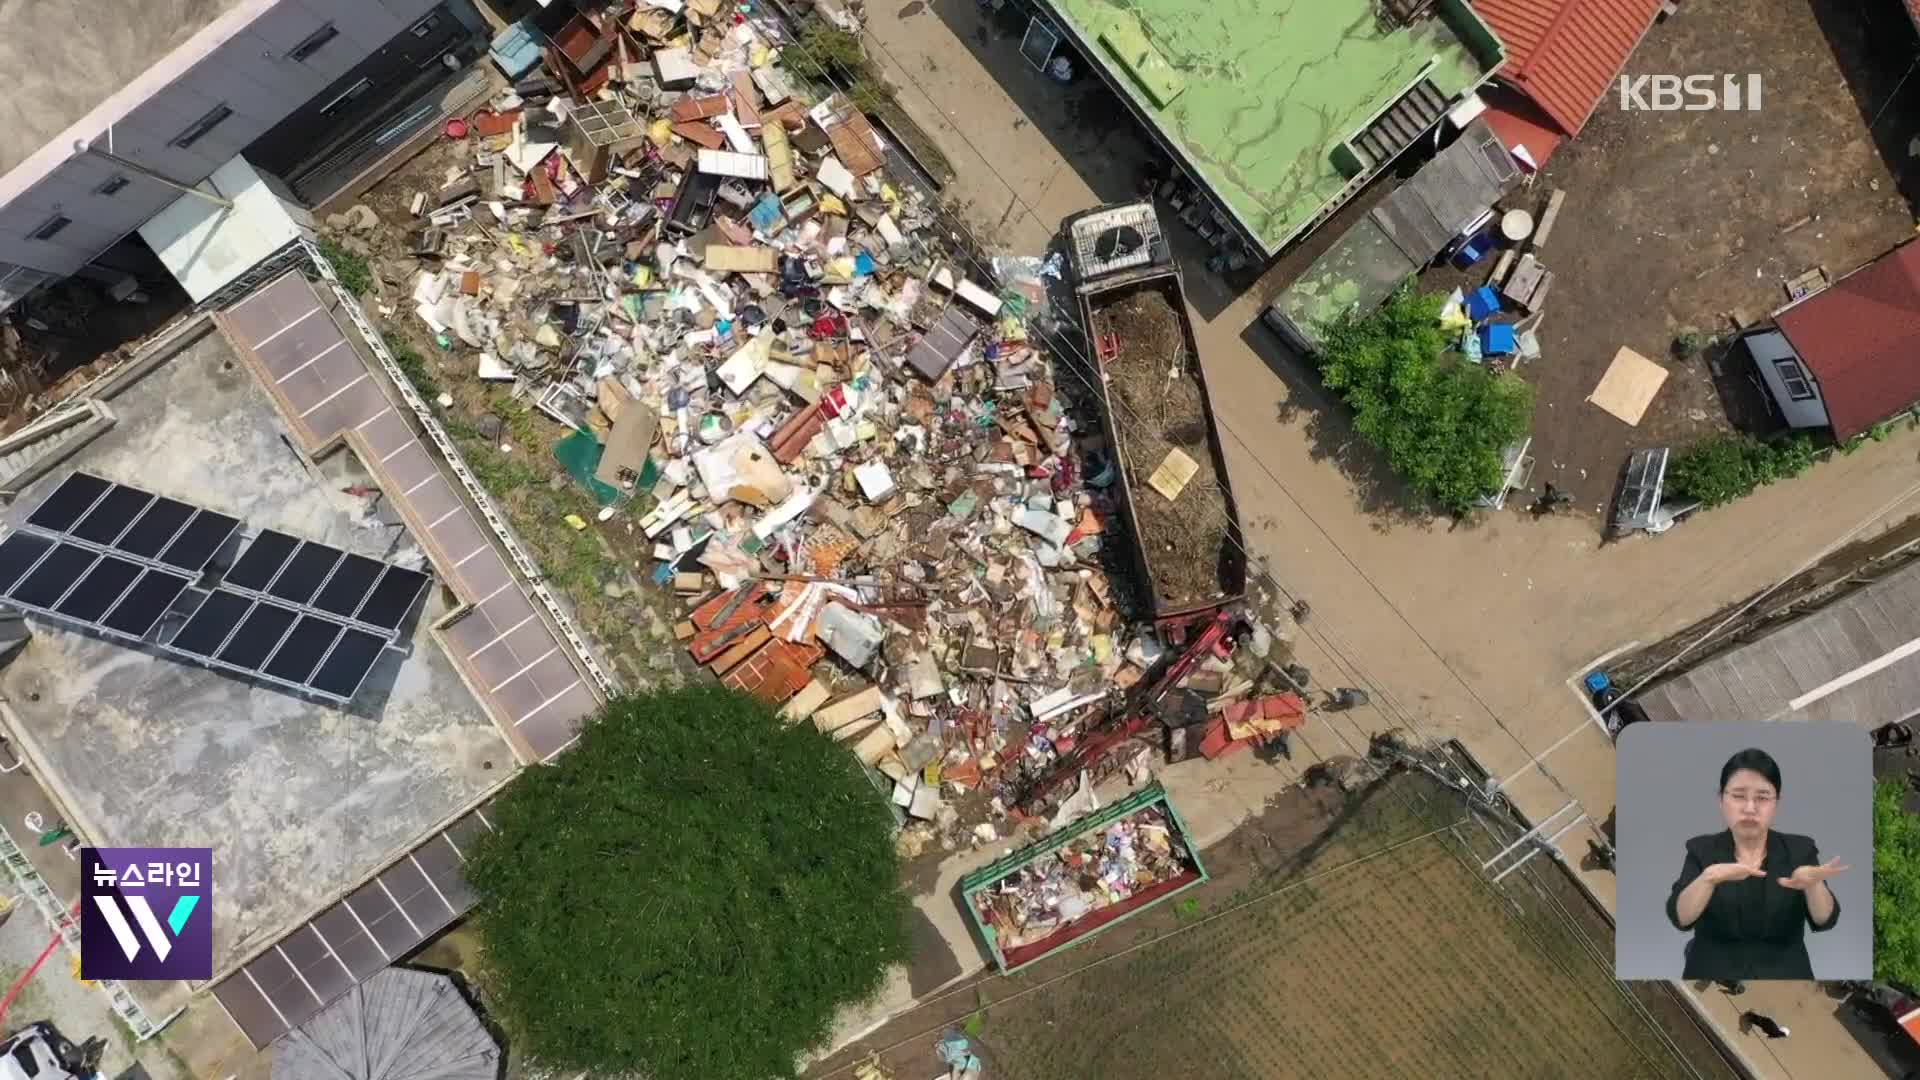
1496 339
1482 302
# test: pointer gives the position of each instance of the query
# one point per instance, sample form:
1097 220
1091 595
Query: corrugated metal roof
1564 54
1861 339
1843 663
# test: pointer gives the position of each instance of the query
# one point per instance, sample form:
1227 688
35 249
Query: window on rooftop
313 42
52 228
112 186
201 126
1794 378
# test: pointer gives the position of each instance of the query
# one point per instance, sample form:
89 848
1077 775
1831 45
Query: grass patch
500 473
355 275
413 366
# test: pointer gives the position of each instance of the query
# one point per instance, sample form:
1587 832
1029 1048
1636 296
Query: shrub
1726 467
1443 423
414 366
1896 887
355 275
689 893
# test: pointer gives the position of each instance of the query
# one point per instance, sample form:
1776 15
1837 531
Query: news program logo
146 913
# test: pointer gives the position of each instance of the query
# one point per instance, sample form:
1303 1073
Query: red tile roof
1861 339
1565 54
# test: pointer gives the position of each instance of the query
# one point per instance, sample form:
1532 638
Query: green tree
1896 887
689 893
1443 423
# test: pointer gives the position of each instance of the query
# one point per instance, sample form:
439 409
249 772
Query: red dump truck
1168 467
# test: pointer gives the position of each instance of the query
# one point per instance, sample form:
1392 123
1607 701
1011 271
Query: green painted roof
1258 94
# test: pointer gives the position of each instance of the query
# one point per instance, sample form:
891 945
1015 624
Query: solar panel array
379 923
303 615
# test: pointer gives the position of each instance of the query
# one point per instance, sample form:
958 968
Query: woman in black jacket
1749 894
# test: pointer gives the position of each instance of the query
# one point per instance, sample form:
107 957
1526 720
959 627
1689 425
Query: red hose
26 977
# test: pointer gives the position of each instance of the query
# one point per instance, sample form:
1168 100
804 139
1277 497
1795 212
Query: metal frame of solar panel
306 617
108 556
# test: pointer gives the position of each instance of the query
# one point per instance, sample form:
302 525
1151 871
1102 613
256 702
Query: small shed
402 1024
1847 357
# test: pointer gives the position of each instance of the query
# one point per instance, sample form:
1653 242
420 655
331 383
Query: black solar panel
143 605
118 558
55 574
392 598
347 588
259 634
149 536
111 515
260 563
71 499
302 576
300 653
17 556
100 589
199 541
211 624
346 667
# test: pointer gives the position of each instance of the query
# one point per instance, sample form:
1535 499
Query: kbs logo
145 913
1693 93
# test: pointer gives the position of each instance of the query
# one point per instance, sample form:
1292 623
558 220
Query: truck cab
39 1052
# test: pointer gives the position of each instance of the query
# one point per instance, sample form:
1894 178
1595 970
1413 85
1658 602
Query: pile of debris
1083 876
835 429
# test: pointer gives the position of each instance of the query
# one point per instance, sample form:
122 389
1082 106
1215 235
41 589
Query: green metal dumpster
1097 872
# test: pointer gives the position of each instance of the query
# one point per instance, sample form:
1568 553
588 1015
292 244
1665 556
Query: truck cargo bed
1154 403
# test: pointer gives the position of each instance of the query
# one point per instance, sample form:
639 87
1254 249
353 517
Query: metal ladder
494 519
27 876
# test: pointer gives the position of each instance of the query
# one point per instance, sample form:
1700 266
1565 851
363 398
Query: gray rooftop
1855 661
300 801
64 59
399 1025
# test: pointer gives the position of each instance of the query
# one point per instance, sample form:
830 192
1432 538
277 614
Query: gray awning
399 1025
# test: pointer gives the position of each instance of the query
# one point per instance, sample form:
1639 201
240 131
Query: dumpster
1094 873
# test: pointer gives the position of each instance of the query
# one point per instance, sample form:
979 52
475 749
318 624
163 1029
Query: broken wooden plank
804 704
1547 219
847 710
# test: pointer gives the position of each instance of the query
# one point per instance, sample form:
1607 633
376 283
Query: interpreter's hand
1806 877
1721 873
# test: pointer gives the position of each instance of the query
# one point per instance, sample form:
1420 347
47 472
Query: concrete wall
247 71
1767 346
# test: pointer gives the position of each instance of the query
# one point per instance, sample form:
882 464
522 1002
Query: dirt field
1335 940
1159 406
1685 220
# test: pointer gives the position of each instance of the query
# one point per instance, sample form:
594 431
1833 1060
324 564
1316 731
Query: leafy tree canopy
689 893
1896 887
1443 423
